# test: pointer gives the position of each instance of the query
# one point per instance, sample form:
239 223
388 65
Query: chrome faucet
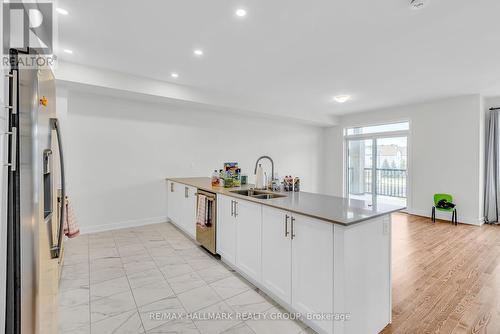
272 166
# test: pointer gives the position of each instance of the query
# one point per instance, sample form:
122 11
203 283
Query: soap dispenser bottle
259 177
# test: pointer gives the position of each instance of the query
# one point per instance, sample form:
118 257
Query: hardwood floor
446 279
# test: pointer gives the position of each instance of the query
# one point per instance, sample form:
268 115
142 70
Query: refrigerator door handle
56 249
13 149
14 91
12 108
11 134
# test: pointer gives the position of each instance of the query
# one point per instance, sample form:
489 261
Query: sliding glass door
359 168
377 165
391 173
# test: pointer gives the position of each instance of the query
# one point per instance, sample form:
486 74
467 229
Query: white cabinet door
226 229
170 203
189 211
174 201
181 206
182 193
277 253
248 238
312 268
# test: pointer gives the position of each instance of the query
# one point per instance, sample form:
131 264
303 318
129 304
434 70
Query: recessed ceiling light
68 51
342 98
241 12
62 11
417 4
174 75
198 52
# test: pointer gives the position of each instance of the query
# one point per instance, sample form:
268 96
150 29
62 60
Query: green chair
448 198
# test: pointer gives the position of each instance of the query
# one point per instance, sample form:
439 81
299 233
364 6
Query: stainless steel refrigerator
35 192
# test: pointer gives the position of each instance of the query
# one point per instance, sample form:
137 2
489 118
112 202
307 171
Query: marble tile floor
154 279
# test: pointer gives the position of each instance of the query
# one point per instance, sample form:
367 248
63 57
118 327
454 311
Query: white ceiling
292 56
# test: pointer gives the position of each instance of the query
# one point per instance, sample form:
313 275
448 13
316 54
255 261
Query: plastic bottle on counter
215 179
259 177
275 186
237 178
296 184
289 183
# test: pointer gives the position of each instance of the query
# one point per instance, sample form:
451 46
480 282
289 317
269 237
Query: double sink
259 194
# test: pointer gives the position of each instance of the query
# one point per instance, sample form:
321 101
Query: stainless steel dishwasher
206 233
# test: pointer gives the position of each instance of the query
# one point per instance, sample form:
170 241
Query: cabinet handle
232 208
171 187
286 225
186 192
292 231
235 209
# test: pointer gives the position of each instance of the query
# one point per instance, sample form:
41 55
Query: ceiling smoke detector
418 4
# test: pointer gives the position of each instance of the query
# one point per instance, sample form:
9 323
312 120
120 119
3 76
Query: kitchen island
327 258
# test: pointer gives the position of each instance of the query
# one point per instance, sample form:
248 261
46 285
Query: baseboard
125 224
446 216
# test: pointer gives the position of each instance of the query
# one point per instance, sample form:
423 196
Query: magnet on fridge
44 101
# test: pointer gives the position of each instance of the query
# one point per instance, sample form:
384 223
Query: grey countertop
337 210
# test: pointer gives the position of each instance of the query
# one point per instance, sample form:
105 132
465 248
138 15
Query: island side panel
362 276
338 278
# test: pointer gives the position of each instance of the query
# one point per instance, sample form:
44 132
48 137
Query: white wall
119 152
445 154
